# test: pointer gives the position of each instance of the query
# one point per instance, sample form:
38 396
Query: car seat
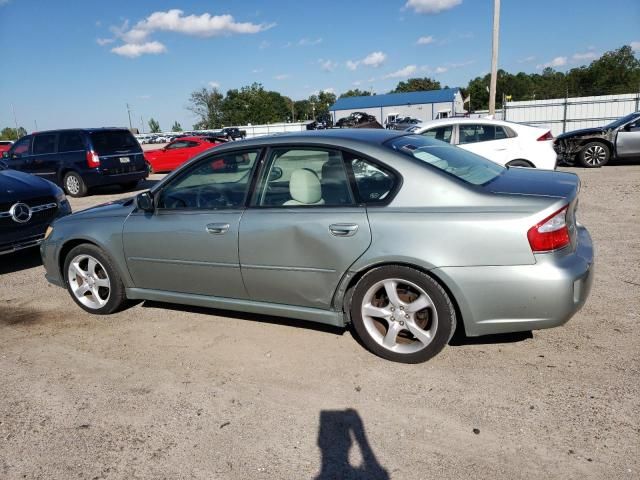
335 185
304 188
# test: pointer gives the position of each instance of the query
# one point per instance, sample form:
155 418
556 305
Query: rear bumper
502 299
95 178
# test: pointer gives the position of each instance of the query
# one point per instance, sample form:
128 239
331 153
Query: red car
177 152
5 145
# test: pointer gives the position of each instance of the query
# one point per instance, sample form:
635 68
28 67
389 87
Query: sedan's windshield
623 120
455 161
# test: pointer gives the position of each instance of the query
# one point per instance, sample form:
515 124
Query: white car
506 143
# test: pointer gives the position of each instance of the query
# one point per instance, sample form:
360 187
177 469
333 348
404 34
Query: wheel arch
344 292
511 162
604 141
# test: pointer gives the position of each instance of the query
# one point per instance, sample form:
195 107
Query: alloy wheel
399 315
73 185
89 281
595 155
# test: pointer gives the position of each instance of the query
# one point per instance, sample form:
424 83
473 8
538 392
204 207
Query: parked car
401 235
355 119
28 204
404 123
5 145
232 133
594 147
79 159
506 143
177 152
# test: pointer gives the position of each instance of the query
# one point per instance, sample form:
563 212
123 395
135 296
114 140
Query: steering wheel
211 196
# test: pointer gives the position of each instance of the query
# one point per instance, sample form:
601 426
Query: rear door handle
217 228
343 229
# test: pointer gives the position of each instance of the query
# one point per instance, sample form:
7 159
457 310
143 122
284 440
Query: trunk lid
531 181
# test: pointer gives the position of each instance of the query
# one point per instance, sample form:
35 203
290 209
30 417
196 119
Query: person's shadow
339 431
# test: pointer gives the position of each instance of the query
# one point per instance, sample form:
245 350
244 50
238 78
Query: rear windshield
113 141
455 161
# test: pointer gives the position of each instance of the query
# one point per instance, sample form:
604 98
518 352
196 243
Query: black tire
520 163
117 299
74 185
446 317
594 155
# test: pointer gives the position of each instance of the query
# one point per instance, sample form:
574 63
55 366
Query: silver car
405 237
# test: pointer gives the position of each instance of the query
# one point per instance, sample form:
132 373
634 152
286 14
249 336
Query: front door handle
217 228
343 229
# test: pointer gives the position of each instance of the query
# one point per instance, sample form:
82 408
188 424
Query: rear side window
70 142
113 141
374 184
441 133
43 144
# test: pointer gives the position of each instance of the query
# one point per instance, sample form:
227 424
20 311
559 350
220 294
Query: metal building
425 105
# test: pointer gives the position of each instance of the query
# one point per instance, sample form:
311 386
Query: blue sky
78 63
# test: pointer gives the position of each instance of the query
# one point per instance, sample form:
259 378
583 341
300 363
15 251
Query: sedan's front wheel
402 314
594 154
92 280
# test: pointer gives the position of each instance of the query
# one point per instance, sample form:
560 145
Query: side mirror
144 201
275 174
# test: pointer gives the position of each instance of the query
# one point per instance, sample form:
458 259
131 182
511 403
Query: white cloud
403 72
635 46
528 59
257 70
287 45
440 70
144 97
133 50
357 83
425 40
576 57
282 76
431 7
327 65
264 44
556 62
306 42
214 84
104 41
374 59
3 2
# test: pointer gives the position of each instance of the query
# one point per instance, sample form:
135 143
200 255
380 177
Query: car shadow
339 432
459 339
20 260
146 184
253 317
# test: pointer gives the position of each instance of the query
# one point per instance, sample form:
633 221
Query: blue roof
392 99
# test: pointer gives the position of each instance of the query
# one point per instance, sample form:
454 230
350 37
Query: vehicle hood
531 181
117 208
15 185
584 132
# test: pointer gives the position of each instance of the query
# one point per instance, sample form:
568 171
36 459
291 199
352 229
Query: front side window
70 142
43 144
21 147
440 133
302 177
216 182
455 161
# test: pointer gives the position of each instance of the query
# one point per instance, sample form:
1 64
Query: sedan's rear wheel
594 155
92 281
402 314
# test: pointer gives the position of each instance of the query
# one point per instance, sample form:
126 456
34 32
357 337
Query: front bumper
502 299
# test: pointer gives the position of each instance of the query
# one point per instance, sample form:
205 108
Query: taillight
546 136
552 233
93 160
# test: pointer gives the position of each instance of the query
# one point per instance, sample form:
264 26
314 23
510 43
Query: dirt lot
163 391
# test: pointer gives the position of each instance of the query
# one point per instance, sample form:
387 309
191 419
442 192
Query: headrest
304 186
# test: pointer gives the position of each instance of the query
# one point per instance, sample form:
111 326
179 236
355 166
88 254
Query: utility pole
129 113
15 120
142 123
494 57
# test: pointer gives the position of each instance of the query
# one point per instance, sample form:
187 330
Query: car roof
446 121
88 130
364 135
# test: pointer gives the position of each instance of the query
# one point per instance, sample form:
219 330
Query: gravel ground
161 391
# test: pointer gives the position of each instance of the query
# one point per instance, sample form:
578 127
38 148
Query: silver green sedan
405 237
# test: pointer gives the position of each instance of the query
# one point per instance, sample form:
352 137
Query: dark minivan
79 159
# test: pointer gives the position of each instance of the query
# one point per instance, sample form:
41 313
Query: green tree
302 109
176 127
206 104
416 85
321 102
356 92
9 133
154 126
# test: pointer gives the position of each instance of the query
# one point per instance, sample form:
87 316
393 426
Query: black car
232 133
357 120
79 159
594 147
28 204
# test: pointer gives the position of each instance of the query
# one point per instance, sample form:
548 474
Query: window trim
181 173
263 171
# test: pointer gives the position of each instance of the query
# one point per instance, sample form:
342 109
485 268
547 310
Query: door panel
184 252
628 143
290 256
